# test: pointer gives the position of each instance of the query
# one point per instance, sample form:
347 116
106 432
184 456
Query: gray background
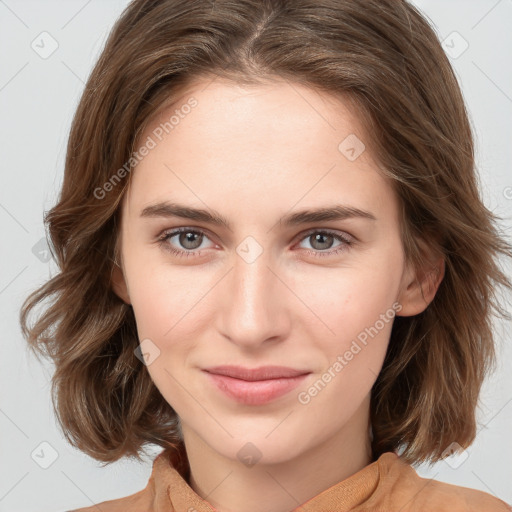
38 95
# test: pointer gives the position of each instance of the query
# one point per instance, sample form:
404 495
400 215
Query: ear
419 286
119 284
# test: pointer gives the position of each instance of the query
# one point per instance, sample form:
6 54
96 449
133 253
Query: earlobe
421 288
119 284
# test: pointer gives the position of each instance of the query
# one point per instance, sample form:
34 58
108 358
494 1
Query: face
266 286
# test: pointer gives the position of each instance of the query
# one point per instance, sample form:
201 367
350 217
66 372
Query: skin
255 154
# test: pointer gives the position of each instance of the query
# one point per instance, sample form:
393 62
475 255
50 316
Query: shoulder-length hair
381 55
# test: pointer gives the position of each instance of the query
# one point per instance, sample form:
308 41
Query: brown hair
386 59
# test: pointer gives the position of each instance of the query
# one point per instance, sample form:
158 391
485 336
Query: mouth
256 386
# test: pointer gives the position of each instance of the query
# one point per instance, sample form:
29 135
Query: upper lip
261 373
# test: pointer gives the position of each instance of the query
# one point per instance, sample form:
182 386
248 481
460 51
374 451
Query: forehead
277 105
275 141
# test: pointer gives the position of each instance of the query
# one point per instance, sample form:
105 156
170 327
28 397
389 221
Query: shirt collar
172 493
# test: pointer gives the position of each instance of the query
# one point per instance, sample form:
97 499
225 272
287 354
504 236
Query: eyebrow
330 213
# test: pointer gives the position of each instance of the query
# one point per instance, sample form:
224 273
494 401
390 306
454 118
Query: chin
259 449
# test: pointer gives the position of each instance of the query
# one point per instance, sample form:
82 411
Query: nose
253 303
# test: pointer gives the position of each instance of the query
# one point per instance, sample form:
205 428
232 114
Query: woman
275 261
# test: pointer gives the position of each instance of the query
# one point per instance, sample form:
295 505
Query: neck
230 486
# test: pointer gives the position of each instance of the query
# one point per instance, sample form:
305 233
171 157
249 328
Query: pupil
319 237
190 238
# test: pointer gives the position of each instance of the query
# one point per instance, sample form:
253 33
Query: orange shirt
386 485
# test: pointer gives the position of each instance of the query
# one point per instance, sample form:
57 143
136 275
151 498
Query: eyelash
194 253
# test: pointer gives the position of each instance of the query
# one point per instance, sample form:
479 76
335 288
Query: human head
248 291
382 58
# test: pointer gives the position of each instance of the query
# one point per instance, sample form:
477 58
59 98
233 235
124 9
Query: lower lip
256 392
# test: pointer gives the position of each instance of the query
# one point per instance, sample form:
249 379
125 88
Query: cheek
361 317
163 297
352 299
358 305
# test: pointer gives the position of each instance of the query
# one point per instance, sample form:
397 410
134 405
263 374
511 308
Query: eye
188 238
321 240
192 239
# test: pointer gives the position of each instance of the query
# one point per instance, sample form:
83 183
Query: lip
255 386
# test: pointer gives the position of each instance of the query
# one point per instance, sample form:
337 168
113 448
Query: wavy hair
385 58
